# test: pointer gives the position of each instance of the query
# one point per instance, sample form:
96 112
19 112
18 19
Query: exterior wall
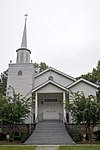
21 83
86 88
62 80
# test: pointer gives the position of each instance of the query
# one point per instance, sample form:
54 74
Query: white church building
49 89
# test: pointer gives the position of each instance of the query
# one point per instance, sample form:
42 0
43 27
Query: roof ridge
81 79
60 72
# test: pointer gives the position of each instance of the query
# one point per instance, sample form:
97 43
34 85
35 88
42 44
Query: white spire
24 38
23 54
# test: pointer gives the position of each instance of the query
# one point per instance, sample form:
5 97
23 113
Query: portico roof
49 82
82 80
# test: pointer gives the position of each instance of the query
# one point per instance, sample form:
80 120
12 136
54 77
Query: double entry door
51 109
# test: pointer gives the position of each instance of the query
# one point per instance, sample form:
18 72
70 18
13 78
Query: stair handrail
61 117
64 120
39 117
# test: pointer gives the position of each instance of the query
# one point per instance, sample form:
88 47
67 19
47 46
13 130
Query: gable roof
48 82
82 80
57 71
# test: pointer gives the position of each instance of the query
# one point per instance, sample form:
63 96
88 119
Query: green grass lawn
17 147
92 147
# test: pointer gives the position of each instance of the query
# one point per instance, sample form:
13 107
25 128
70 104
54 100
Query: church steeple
24 38
23 54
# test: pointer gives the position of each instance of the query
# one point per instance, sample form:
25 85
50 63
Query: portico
50 100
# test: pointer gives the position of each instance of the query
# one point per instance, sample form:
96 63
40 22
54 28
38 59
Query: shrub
97 135
24 137
17 136
2 136
77 137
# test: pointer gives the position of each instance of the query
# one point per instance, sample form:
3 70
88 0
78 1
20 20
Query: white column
36 107
64 110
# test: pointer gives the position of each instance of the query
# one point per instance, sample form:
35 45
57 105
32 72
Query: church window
50 100
50 78
20 73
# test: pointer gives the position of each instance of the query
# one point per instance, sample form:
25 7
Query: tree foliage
40 67
3 82
94 76
84 110
13 110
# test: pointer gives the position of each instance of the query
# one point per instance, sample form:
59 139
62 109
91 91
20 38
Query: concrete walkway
47 148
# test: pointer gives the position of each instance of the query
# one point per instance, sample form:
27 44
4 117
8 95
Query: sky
65 34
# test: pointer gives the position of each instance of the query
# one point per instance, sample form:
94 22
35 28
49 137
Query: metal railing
61 117
39 117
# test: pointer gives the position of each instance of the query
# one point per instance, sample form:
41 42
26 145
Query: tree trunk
11 131
89 131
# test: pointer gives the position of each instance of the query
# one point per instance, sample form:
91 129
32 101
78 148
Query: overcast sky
65 34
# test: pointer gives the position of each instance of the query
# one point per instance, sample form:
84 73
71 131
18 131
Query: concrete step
49 133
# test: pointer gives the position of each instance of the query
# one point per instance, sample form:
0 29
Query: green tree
13 110
3 82
40 67
94 76
84 110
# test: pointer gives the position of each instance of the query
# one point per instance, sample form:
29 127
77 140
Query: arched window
20 73
50 78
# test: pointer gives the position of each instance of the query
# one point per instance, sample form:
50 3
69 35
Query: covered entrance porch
50 102
50 105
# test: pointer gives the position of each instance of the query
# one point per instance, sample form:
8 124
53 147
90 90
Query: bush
77 137
2 136
97 135
17 136
24 137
